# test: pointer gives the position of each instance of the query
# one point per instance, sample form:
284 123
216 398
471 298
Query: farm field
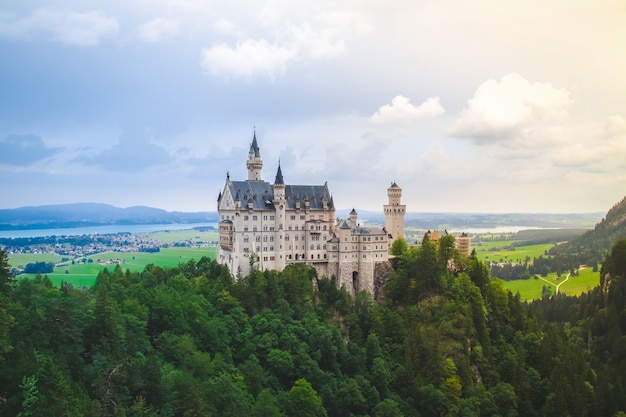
530 289
84 274
495 251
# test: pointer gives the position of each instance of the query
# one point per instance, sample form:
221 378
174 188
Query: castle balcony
226 232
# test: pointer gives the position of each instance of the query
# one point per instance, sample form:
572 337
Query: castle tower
353 222
394 213
280 205
254 163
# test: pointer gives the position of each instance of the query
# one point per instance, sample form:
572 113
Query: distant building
275 225
464 244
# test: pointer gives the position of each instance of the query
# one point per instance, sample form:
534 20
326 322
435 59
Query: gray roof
262 193
368 231
279 176
344 225
254 147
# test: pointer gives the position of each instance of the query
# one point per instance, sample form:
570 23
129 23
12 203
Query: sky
485 106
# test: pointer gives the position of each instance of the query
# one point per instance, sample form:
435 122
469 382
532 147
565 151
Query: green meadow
530 289
502 251
84 273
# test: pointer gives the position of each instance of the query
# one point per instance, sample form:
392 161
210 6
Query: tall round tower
394 212
254 163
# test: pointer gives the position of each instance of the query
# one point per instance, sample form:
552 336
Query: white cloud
248 58
72 28
501 110
280 38
157 29
224 26
596 149
401 110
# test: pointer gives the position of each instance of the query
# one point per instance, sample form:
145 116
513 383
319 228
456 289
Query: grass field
84 274
583 282
530 289
494 251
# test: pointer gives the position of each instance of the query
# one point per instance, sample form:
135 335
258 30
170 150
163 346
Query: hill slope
596 243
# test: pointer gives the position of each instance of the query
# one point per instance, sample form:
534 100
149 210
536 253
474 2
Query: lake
102 230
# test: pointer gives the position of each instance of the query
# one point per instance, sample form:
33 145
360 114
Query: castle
274 225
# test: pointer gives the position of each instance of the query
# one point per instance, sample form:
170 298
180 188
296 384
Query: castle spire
254 147
254 163
279 176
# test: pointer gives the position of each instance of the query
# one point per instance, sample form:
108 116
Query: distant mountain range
95 214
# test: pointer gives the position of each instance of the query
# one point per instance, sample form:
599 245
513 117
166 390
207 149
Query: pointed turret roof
279 176
344 225
254 147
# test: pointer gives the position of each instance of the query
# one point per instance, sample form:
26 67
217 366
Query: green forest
193 341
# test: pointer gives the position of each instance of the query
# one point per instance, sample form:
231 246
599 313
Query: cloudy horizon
485 106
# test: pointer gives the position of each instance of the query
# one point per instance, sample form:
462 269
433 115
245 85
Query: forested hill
594 244
193 341
93 214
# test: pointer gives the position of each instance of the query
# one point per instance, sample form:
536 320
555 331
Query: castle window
296 227
312 256
264 217
271 248
324 227
289 227
292 217
245 218
271 258
258 249
245 239
286 237
254 218
264 238
246 250
245 228
302 217
296 237
265 258
254 228
312 247
271 238
258 238
271 217
265 228
318 247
